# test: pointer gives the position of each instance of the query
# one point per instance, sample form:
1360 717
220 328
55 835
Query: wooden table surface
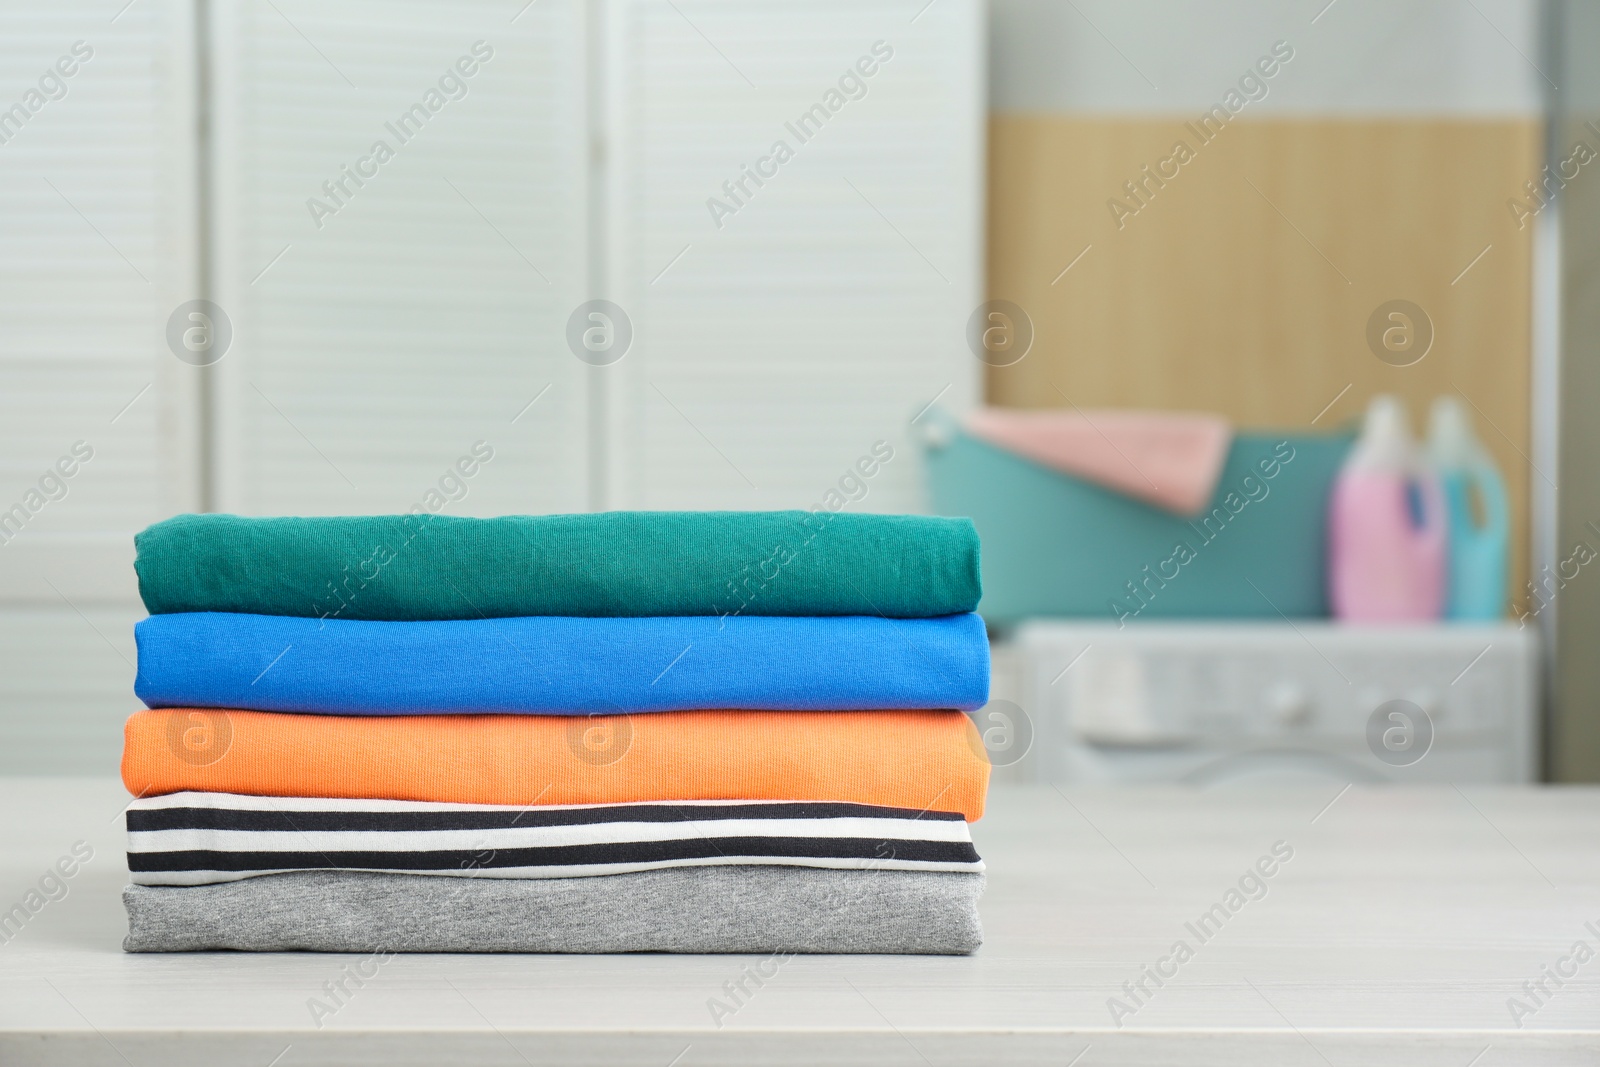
1400 929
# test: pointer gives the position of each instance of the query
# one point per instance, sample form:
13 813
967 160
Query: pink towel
1169 459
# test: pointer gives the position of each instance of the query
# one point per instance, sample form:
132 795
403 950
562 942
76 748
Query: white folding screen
97 418
381 328
400 235
390 310
794 209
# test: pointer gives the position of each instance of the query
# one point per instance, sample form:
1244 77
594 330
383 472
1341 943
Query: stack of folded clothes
619 732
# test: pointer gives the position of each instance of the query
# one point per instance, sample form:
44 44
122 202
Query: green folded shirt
621 563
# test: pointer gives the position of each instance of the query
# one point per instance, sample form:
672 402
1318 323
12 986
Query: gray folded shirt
744 909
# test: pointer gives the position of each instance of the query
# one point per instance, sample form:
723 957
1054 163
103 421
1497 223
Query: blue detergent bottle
1479 520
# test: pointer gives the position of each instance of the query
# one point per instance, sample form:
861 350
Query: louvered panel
96 249
772 351
93 257
375 349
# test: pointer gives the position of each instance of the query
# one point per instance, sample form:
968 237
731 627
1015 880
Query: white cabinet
1212 702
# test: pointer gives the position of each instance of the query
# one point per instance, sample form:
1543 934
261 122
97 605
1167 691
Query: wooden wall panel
1245 283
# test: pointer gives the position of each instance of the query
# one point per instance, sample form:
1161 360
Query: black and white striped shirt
200 838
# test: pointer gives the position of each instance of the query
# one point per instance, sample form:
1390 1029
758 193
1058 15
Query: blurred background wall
1374 165
367 333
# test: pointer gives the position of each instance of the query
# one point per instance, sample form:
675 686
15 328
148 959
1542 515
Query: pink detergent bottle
1386 527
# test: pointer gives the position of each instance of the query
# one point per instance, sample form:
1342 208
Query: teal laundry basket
1055 545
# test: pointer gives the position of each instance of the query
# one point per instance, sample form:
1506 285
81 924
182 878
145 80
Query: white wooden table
1397 933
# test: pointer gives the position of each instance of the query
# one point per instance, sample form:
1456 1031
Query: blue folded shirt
561 665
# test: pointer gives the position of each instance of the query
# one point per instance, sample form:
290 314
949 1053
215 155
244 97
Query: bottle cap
1385 442
1451 443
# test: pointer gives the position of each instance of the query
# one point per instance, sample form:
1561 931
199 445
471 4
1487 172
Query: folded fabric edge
177 542
197 750
226 660
198 878
693 910
223 801
215 837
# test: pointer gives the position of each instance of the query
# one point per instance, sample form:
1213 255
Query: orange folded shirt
926 760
